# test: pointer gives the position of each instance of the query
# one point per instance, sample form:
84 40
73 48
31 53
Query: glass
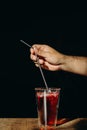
47 106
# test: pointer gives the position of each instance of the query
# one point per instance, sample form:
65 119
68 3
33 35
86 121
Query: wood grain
32 124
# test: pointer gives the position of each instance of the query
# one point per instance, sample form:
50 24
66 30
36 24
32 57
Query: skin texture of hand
49 58
53 60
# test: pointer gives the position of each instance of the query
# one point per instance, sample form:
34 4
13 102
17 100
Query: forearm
75 64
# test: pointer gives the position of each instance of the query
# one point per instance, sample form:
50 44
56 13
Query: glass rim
38 89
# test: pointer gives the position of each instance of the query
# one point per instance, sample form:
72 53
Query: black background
67 33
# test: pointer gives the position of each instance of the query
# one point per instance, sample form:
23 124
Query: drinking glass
47 106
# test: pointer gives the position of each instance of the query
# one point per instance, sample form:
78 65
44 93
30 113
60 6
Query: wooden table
32 124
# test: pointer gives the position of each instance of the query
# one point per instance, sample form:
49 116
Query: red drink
47 103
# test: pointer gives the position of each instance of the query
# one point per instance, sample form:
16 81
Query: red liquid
51 104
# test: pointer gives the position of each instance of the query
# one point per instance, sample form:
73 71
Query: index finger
32 51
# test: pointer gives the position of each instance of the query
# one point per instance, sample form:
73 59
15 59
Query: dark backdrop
67 33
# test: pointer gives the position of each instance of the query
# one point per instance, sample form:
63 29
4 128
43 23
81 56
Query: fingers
36 59
42 65
38 46
38 49
34 54
33 57
32 51
39 62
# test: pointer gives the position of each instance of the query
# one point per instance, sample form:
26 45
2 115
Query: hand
49 58
53 60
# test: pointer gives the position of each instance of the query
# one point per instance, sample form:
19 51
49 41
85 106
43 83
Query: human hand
49 58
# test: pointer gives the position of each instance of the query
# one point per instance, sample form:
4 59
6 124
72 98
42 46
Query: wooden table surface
32 124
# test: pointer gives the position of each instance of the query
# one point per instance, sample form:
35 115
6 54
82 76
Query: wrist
68 62
64 62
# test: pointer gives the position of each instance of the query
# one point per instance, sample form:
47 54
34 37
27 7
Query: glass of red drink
47 106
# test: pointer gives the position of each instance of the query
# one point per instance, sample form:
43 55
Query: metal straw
38 64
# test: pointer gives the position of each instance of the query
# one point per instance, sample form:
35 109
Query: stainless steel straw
38 65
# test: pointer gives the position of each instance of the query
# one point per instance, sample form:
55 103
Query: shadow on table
76 124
